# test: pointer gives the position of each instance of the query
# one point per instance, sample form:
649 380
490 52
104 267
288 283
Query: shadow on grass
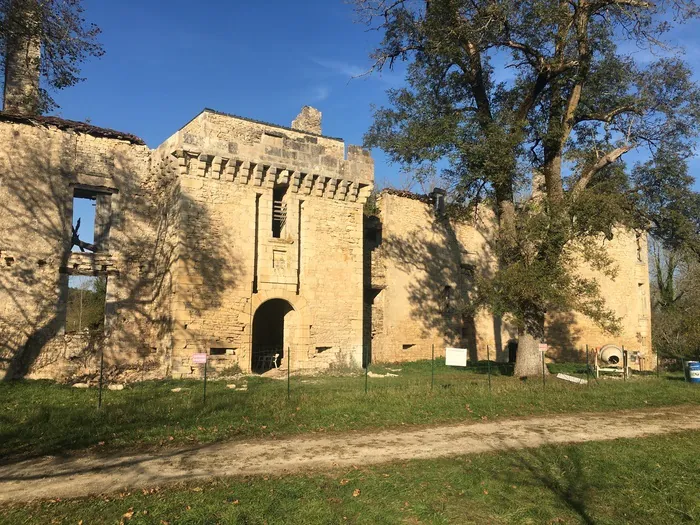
105 465
563 475
140 417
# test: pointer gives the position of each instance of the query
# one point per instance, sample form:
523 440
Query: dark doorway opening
469 337
269 334
512 351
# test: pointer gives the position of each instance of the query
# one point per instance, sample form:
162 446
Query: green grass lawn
39 417
642 481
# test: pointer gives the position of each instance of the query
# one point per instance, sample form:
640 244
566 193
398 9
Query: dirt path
53 477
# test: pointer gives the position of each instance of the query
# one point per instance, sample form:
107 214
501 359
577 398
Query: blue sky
166 61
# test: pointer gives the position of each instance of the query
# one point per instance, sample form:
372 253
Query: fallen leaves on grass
355 493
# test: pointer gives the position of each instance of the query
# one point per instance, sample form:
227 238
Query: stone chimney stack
23 58
309 120
437 197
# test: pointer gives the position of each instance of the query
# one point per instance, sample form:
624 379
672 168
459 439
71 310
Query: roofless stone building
246 241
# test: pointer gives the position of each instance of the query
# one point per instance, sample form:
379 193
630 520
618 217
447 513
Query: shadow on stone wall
564 338
145 244
442 289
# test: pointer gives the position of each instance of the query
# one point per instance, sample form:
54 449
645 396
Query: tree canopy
546 95
67 39
676 303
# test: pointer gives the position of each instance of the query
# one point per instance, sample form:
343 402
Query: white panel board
456 356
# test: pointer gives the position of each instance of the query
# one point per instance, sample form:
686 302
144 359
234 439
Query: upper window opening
279 210
92 212
447 299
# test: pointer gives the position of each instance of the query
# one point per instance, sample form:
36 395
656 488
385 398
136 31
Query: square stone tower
271 221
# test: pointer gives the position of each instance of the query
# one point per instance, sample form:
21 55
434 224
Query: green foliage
676 307
66 39
371 208
86 307
576 103
668 203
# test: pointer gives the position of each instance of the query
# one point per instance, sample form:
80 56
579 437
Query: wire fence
335 371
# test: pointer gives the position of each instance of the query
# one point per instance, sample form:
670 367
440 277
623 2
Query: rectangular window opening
91 220
85 310
279 210
408 346
321 349
222 351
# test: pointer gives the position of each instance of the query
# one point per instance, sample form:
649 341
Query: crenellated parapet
232 149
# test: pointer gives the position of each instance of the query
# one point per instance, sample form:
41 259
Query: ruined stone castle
249 242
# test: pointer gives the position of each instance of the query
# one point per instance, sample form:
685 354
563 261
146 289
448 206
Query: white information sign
543 347
199 359
456 356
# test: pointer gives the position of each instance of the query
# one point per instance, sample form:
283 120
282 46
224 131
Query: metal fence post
685 376
205 383
366 369
588 368
543 374
102 366
488 363
289 369
657 365
624 363
432 367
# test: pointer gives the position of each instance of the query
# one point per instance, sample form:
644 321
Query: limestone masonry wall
40 168
247 241
230 169
426 265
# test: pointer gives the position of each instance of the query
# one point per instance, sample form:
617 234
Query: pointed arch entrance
273 327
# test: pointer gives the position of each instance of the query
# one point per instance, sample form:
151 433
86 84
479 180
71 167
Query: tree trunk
528 361
22 58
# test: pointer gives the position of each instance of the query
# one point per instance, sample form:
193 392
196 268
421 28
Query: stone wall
42 162
425 267
229 169
230 218
420 276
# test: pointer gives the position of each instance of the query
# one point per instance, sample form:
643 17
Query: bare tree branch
604 161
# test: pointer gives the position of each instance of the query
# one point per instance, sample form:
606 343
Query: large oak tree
575 104
65 37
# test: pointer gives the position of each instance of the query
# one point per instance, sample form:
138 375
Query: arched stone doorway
273 326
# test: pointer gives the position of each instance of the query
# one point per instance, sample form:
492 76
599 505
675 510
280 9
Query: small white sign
543 347
199 359
456 356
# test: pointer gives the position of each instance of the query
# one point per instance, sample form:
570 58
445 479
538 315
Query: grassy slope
43 418
644 481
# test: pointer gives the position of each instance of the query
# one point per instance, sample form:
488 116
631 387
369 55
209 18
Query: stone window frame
105 213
